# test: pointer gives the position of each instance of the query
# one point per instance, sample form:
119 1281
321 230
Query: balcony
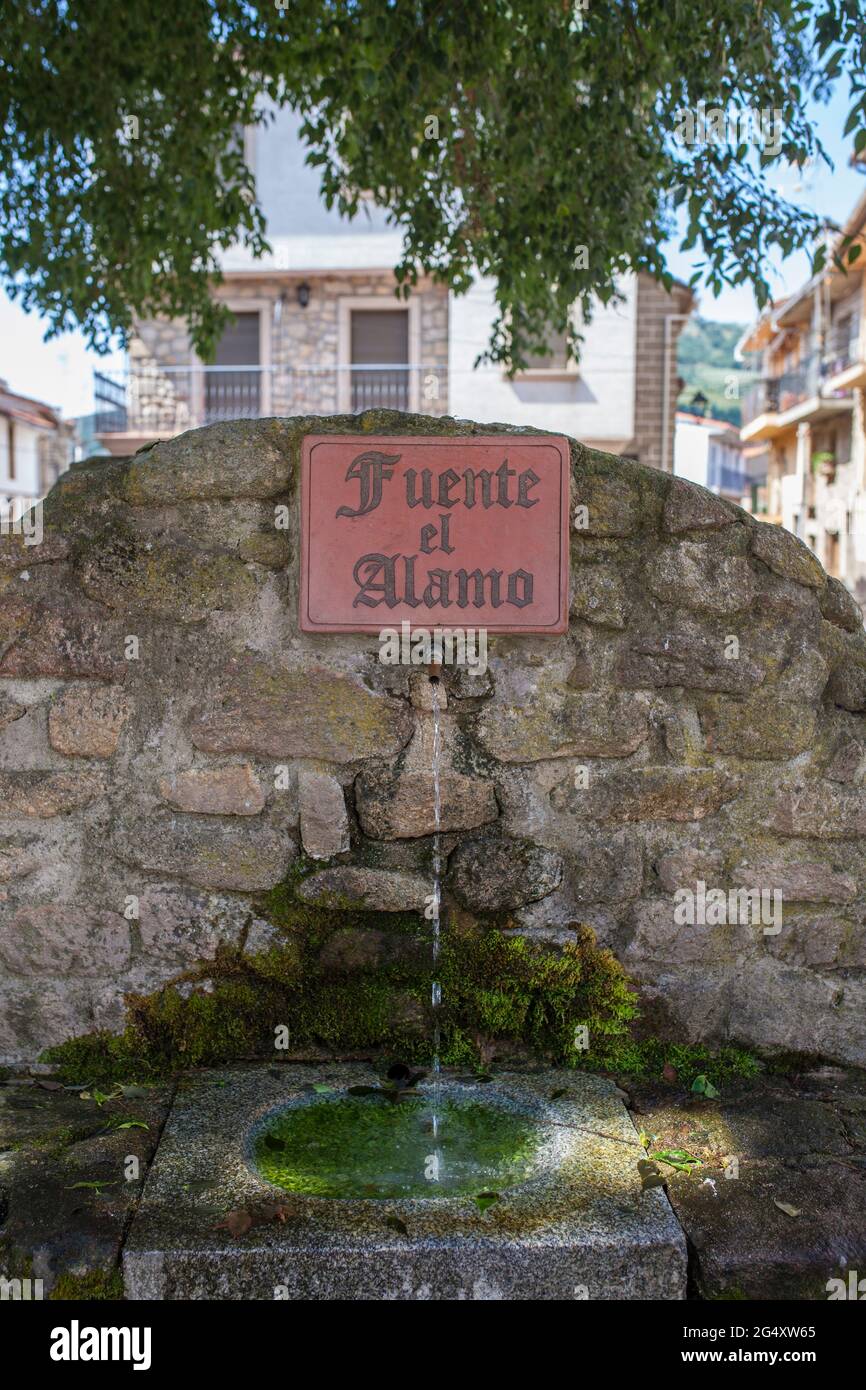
843 363
804 393
149 400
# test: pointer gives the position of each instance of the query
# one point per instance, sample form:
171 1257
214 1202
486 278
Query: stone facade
656 367
172 745
304 349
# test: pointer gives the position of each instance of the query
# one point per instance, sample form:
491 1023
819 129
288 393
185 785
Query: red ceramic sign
434 531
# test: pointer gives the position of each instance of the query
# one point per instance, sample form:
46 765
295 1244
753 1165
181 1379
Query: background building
318 329
709 452
807 411
36 446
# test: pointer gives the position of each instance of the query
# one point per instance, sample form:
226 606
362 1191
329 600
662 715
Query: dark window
233 389
380 338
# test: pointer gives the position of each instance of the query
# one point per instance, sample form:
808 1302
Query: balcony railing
761 398
776 394
149 398
842 347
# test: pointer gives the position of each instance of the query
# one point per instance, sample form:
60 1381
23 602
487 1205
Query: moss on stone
647 1058
97 1285
496 988
501 994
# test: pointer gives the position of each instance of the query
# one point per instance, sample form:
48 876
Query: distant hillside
705 359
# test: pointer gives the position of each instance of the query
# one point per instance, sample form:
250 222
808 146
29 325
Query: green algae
352 1146
96 1285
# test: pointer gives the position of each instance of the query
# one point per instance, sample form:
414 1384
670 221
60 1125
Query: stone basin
576 1224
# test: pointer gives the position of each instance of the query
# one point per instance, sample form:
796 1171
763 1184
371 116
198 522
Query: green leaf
680 1159
702 1086
483 1200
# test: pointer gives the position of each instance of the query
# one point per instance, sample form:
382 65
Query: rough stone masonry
171 742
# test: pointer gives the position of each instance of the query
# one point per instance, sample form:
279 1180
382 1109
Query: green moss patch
497 988
97 1285
502 996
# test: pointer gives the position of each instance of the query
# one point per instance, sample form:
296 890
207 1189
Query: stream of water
436 989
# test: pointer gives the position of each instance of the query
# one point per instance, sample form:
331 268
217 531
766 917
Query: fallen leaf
680 1159
237 1223
786 1207
484 1200
670 1072
321 1089
278 1211
50 1085
703 1086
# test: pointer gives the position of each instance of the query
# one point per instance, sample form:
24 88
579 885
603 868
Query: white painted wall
709 454
596 403
691 451
26 479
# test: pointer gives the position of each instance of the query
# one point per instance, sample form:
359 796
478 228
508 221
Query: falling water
436 989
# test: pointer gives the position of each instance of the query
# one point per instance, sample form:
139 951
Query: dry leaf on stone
237 1223
786 1207
279 1212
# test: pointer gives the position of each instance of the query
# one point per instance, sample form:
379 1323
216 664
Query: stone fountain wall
172 744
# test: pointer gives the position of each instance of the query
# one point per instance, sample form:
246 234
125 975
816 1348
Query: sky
60 372
832 192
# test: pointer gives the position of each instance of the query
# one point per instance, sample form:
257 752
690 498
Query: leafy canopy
531 140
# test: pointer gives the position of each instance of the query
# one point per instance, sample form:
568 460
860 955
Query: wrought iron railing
149 397
727 477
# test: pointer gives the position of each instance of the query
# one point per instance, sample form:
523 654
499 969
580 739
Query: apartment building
318 329
807 411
